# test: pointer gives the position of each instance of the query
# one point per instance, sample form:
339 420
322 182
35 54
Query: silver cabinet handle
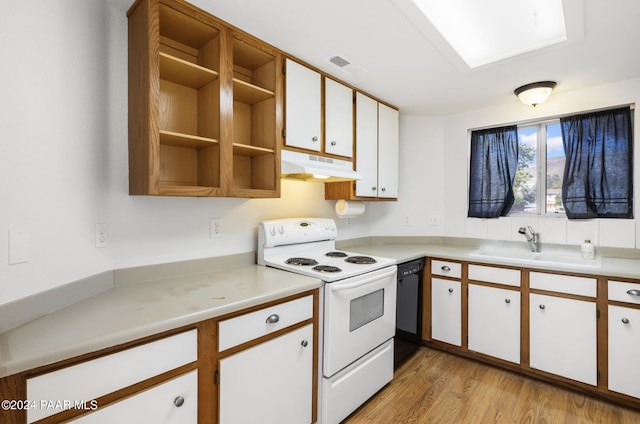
333 143
272 319
625 320
384 189
315 138
374 188
178 401
445 268
542 307
450 290
304 343
633 292
507 301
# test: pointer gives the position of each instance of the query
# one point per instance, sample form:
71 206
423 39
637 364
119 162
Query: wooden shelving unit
255 153
202 105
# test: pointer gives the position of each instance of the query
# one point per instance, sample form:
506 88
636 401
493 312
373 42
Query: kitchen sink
558 258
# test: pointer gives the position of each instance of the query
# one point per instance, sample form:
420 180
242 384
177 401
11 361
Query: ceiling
408 67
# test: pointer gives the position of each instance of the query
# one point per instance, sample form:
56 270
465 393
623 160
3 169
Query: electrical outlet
406 220
215 228
433 220
101 235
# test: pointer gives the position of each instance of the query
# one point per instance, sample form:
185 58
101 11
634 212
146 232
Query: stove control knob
272 231
281 229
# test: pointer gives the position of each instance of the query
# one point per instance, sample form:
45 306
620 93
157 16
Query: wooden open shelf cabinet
204 114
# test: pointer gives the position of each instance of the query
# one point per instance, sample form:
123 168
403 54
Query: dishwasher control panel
409 268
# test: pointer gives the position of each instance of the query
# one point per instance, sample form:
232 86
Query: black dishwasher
408 310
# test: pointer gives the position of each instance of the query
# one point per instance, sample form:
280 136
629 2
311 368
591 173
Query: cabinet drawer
446 268
582 286
98 377
491 274
624 292
241 329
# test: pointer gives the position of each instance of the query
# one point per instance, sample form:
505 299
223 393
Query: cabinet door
302 103
494 322
270 382
624 350
387 151
367 145
338 111
446 311
563 337
173 402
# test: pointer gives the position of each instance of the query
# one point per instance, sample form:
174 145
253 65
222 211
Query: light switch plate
18 246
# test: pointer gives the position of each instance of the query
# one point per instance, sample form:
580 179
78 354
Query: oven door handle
335 287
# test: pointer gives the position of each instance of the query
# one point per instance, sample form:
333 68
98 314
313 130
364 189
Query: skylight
482 32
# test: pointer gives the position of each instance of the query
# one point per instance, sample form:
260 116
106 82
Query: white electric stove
357 313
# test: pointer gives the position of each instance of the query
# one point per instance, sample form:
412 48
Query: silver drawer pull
542 307
272 319
333 143
507 301
450 290
633 292
304 343
625 320
178 401
445 268
315 138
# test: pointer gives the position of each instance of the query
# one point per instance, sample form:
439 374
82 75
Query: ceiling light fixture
535 93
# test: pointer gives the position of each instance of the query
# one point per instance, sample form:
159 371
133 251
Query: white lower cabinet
172 402
446 311
89 380
270 382
624 350
563 337
494 322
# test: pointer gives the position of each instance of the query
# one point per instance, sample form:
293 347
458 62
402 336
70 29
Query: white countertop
126 313
403 252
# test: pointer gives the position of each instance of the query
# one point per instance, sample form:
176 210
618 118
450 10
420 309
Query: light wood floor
437 387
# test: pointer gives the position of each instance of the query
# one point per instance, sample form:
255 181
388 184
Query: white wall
604 232
63 160
422 190
64 166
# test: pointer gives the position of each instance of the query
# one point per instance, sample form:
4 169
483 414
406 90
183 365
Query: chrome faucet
533 238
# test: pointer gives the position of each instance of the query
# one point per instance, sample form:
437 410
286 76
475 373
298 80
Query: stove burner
326 268
361 260
336 254
301 261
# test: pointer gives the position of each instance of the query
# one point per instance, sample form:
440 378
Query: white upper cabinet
377 127
303 107
367 145
388 127
338 107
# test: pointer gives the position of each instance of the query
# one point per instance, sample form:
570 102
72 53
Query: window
537 184
580 166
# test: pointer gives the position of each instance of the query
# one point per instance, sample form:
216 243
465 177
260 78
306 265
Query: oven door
359 315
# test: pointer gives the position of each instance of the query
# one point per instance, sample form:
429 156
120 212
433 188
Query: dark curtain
598 173
494 158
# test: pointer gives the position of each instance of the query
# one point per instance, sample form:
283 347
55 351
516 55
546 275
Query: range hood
307 167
